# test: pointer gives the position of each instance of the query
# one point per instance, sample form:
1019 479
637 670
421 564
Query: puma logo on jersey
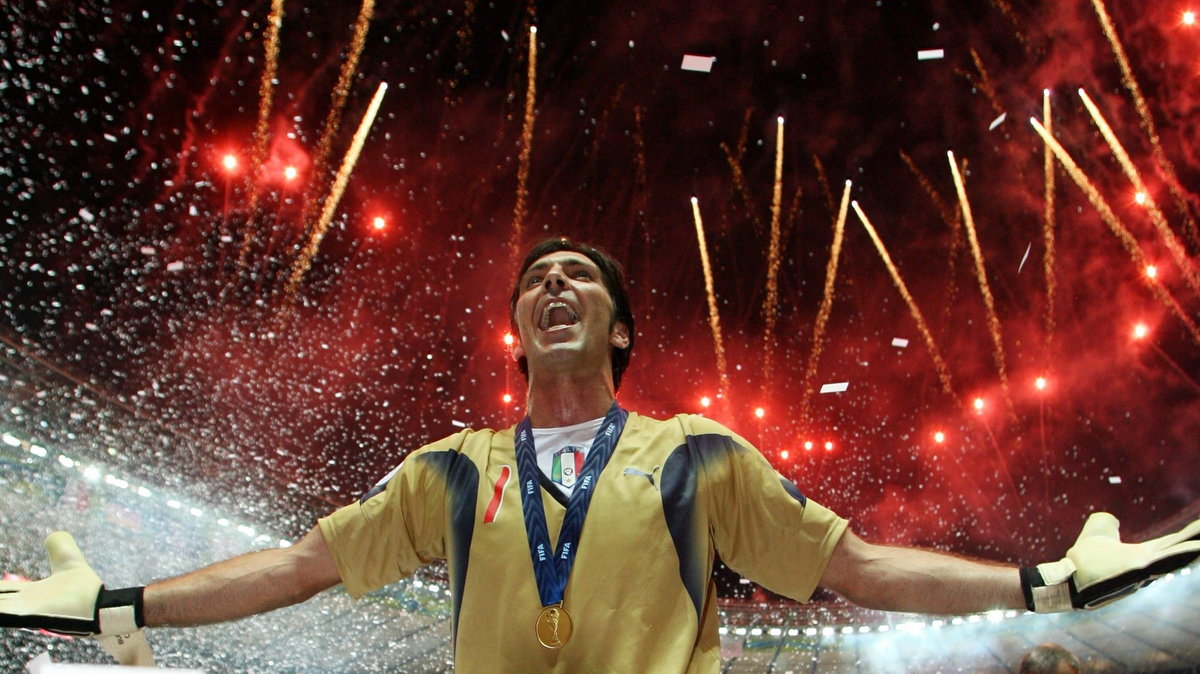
641 473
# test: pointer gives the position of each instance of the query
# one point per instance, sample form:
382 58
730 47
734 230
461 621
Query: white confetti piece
930 54
177 265
837 387
1114 479
1025 257
998 121
148 250
699 64
900 342
458 424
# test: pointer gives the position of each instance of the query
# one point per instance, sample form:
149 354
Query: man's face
564 314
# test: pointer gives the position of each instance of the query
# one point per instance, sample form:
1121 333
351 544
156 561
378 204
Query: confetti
900 342
458 424
1114 479
148 250
699 64
1025 257
930 54
177 265
998 121
838 387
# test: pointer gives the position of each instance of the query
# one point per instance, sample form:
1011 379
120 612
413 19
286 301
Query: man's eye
532 281
583 274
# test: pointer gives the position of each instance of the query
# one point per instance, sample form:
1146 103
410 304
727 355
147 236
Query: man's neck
565 401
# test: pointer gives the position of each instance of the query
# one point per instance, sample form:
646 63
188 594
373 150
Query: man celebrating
584 538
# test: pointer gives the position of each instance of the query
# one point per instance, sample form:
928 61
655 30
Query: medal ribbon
551 568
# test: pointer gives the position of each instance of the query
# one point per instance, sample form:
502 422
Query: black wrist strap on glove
119 611
1043 597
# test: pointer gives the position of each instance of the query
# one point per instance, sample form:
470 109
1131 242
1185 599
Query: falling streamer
714 318
304 262
521 207
984 288
771 304
1156 215
1143 110
934 352
266 97
1114 224
831 268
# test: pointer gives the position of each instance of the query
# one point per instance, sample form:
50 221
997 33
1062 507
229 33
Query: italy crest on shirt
568 461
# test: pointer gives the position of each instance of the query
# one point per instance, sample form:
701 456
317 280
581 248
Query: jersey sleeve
763 526
396 527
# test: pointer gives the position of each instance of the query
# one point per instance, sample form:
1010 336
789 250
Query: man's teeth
564 312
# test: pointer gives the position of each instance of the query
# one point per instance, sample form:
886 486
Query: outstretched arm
243 586
919 581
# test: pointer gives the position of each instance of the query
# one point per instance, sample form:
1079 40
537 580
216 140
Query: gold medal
553 626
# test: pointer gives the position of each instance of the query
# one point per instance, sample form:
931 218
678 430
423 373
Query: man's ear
517 351
619 335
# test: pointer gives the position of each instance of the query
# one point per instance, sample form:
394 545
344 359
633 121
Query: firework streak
1139 103
714 318
335 195
1048 223
266 96
981 274
814 356
771 304
1156 215
934 352
521 207
1114 224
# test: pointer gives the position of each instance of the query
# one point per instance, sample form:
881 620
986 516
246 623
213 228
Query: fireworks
1048 222
1114 224
714 318
521 207
934 352
981 274
770 304
1147 120
831 268
333 118
335 195
1143 197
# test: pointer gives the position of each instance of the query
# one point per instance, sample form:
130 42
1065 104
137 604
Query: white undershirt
577 438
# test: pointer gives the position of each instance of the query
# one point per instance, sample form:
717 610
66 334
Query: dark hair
1048 658
614 281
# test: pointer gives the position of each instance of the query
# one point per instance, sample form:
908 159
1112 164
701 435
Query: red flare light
760 412
828 446
705 401
1140 198
1140 331
1151 271
507 398
939 437
1040 383
1188 18
290 173
978 405
509 339
808 445
783 454
230 162
379 222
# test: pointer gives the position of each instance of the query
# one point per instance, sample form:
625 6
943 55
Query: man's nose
555 281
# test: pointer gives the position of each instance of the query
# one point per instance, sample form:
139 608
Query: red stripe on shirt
497 495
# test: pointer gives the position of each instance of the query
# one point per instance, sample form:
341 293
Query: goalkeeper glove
72 600
1099 568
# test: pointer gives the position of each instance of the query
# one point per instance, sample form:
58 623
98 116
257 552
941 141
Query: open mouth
558 315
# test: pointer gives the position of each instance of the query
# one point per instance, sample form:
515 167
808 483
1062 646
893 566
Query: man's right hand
72 600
